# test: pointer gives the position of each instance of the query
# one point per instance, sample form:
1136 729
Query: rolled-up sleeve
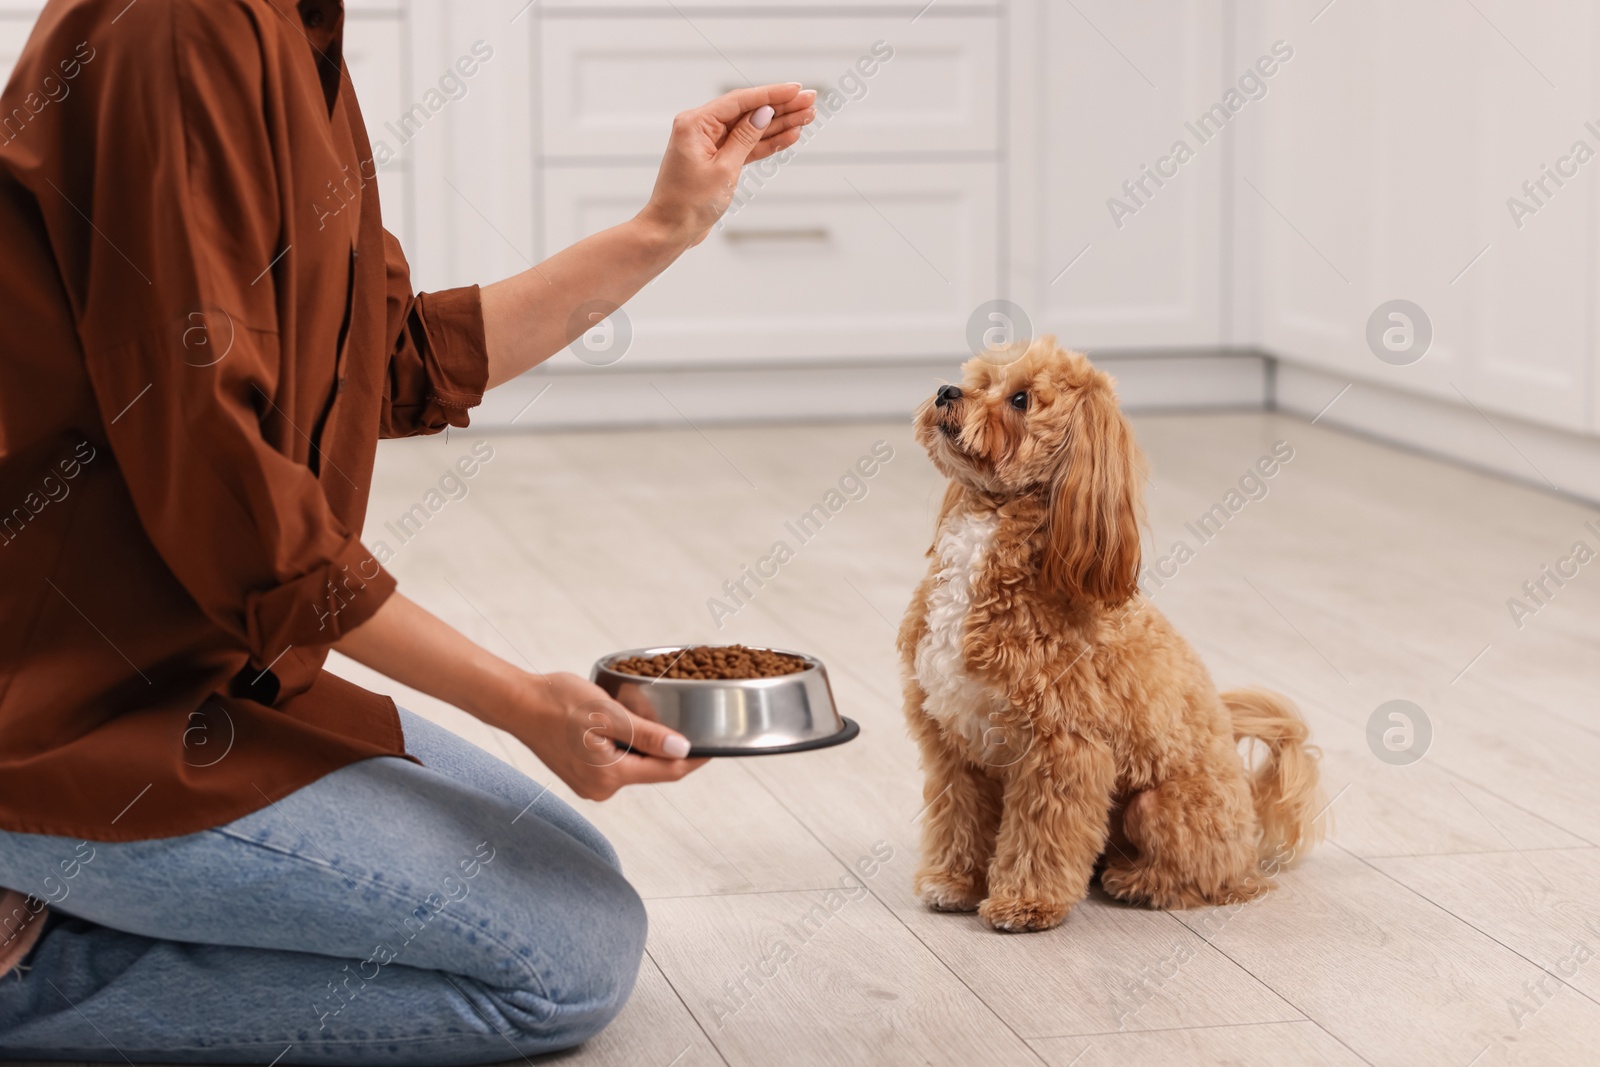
439 364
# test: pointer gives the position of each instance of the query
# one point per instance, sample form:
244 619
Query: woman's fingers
643 734
640 770
774 145
782 124
782 132
801 101
733 106
619 749
805 98
745 135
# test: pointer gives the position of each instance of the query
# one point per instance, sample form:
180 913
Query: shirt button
338 386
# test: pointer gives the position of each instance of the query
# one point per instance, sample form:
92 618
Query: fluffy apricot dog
1064 726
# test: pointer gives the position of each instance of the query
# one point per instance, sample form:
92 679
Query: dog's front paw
1127 882
1020 914
948 892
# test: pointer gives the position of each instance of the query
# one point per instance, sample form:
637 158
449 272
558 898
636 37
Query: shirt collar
323 23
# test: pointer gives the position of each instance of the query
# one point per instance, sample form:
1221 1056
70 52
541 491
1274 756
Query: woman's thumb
747 133
654 739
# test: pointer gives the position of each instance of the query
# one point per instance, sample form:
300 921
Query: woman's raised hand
709 145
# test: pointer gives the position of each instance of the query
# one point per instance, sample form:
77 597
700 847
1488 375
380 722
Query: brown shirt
204 330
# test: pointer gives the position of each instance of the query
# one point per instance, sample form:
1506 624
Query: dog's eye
1019 400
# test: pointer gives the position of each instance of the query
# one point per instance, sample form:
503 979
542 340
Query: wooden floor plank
1541 904
1383 809
813 978
654 1028
1396 978
1258 1045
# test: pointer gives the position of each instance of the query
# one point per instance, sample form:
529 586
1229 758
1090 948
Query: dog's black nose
946 394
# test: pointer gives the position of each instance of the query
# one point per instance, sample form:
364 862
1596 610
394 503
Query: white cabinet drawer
611 86
824 261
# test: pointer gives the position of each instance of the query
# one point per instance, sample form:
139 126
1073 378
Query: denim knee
614 965
558 813
607 946
592 963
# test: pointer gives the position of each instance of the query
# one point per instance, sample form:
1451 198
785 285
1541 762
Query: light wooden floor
1451 888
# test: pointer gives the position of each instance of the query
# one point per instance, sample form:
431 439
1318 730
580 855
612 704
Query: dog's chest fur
962 704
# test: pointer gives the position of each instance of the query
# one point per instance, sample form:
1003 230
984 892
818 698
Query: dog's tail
1284 784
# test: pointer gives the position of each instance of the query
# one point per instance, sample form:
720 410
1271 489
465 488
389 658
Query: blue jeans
454 913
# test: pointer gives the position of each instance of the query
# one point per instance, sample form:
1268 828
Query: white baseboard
1551 459
566 399
1198 380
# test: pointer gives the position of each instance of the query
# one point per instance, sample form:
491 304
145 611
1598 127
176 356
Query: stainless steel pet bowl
735 716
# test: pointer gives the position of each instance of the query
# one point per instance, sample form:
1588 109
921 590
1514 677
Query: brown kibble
711 663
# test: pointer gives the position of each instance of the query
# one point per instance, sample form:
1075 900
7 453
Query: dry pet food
709 662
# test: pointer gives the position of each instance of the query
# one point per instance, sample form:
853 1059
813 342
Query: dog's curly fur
1064 726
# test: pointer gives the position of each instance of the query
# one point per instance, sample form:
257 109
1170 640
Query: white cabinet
1390 148
613 85
1027 150
875 241
860 260
1109 253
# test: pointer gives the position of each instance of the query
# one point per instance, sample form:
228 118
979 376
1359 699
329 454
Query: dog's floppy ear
952 496
1092 529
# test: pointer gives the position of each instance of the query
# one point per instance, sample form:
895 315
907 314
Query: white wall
987 158
1387 151
1101 90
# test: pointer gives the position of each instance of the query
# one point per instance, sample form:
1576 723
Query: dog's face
1007 427
1036 418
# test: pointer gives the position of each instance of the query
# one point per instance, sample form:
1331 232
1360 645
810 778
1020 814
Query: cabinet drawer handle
791 233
